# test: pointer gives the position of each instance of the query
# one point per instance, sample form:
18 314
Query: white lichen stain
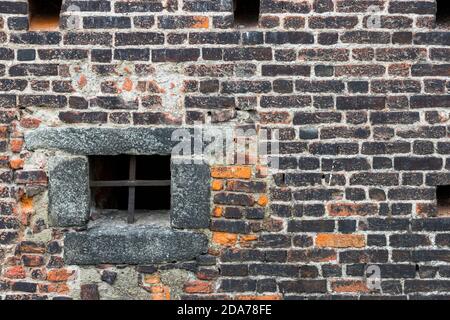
169 78
124 80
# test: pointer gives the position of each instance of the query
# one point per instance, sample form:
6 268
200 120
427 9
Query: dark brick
234 285
412 163
285 70
233 270
303 286
138 38
441 224
132 54
285 102
311 226
14 7
234 199
24 286
88 38
138 6
236 54
277 270
99 22
427 286
290 37
89 292
409 240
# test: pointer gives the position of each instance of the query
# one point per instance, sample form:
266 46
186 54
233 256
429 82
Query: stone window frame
69 197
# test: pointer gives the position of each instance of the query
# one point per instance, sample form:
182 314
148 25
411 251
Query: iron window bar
131 183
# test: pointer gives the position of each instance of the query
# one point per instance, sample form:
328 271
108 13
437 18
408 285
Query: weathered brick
138 38
352 209
410 163
340 241
303 286
311 226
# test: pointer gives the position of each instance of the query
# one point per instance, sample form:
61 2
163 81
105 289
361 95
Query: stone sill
119 218
132 244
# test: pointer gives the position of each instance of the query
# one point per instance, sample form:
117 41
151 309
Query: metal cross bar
129 183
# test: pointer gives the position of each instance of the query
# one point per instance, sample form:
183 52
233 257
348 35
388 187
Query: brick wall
361 101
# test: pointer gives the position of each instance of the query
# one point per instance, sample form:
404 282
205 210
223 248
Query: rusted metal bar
128 183
132 190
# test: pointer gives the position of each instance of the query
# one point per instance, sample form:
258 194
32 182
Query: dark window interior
443 199
246 13
44 14
112 182
443 13
147 198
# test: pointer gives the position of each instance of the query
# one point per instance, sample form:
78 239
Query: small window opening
443 14
246 13
443 200
44 14
136 185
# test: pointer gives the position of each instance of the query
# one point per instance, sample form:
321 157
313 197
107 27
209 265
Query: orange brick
263 200
127 70
61 288
165 295
198 287
82 81
30 123
248 238
266 297
214 251
225 239
156 289
16 145
201 22
217 185
4 132
26 209
59 275
16 163
127 84
152 279
217 212
349 286
16 272
206 274
340 240
27 203
238 172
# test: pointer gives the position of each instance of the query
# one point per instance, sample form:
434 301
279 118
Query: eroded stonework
132 245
